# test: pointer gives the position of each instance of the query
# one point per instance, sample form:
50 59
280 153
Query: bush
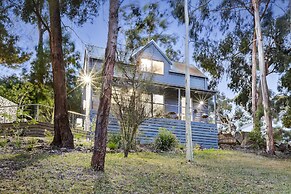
17 143
255 135
112 145
3 142
32 141
257 139
114 141
165 141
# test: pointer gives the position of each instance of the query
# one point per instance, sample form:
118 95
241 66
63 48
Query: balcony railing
163 110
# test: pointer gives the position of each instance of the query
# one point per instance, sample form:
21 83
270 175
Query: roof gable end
152 42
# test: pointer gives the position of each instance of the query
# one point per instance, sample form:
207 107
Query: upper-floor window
152 66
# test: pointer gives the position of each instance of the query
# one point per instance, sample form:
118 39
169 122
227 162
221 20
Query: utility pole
189 147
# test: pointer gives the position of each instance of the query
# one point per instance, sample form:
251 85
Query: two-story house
169 77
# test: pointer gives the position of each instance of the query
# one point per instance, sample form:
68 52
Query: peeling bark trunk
100 139
254 80
267 111
63 136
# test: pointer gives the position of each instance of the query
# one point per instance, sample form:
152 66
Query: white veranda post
87 80
189 147
88 103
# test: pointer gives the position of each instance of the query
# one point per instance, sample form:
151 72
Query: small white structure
8 110
246 128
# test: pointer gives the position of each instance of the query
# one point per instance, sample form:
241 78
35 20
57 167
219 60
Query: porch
169 102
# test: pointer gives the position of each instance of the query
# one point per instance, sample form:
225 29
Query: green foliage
255 135
282 105
3 142
25 92
165 140
114 141
48 133
48 136
32 141
287 119
112 145
17 142
142 24
10 53
281 135
79 136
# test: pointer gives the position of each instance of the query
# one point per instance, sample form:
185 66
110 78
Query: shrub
3 142
114 141
17 143
32 141
257 139
112 145
255 135
165 141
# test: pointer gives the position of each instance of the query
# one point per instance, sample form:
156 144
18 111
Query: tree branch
266 7
38 15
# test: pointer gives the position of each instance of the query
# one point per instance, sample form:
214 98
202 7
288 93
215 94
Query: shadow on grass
103 184
19 161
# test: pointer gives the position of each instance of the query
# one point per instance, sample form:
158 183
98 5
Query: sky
96 34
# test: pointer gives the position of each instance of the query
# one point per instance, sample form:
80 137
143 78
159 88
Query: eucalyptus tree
270 148
102 118
48 17
63 136
223 33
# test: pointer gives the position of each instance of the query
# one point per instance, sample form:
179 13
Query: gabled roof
152 42
180 68
176 67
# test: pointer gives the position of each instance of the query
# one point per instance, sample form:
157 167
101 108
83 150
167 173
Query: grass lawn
213 171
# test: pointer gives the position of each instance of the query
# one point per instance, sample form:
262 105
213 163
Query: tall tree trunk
254 80
270 139
63 136
100 139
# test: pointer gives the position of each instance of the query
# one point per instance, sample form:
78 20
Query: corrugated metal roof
178 67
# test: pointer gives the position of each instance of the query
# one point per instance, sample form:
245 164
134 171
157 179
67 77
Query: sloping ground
214 171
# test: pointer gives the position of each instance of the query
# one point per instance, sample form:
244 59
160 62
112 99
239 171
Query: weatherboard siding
203 134
169 78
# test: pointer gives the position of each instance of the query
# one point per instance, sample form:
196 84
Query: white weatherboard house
169 77
8 110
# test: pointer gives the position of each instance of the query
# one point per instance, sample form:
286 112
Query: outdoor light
87 79
201 102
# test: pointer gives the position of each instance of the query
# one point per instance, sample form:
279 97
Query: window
152 66
158 102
